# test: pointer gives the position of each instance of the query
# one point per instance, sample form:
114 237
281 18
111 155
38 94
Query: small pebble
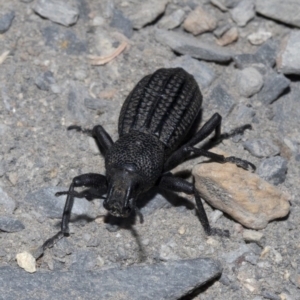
253 236
250 82
258 38
261 147
6 21
173 20
229 37
243 12
9 224
181 230
26 261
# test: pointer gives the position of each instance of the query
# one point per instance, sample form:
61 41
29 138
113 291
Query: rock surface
157 281
9 224
241 194
229 37
262 147
243 12
250 82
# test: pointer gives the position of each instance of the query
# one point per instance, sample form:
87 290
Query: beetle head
123 189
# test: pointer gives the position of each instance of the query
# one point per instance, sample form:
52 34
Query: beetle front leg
91 180
176 184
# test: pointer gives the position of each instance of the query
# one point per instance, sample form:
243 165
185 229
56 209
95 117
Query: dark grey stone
270 295
169 281
202 72
222 101
273 169
266 54
185 44
6 20
55 36
44 200
7 204
9 224
45 80
274 85
84 260
232 256
122 23
262 147
58 11
221 30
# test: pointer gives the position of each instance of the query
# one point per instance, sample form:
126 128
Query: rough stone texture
199 21
284 11
258 38
6 20
44 200
26 261
273 169
122 23
9 224
7 204
58 11
250 82
172 20
156 281
203 74
243 12
274 85
146 12
239 193
262 147
288 59
185 44
45 80
253 236
229 37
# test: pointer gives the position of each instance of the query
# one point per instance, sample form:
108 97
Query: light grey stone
44 80
185 44
172 20
273 169
284 11
288 59
231 256
7 204
45 201
250 82
156 281
59 11
6 20
261 147
9 224
243 12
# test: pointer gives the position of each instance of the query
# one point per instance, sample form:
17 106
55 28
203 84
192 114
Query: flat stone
59 11
219 4
199 21
258 38
229 37
274 85
185 44
262 147
232 256
44 200
288 59
9 224
172 20
273 169
202 72
122 23
243 12
244 196
44 81
266 54
221 29
253 236
156 281
146 12
242 114
7 204
250 81
6 21
284 11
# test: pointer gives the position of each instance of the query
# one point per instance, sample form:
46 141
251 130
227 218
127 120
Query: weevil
154 123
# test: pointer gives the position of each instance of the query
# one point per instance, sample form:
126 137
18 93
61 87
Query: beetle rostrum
153 127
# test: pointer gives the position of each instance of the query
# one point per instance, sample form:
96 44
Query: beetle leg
176 184
92 180
103 139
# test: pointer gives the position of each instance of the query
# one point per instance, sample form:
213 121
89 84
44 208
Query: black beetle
154 122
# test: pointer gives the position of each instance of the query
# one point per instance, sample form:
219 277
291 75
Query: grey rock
202 72
219 4
156 281
274 85
222 101
230 3
185 44
9 224
270 295
99 104
146 12
6 20
26 1
232 256
62 12
261 147
44 200
54 35
288 59
242 114
7 204
265 54
284 11
83 260
221 30
45 80
243 12
251 258
250 82
122 23
273 169
172 20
